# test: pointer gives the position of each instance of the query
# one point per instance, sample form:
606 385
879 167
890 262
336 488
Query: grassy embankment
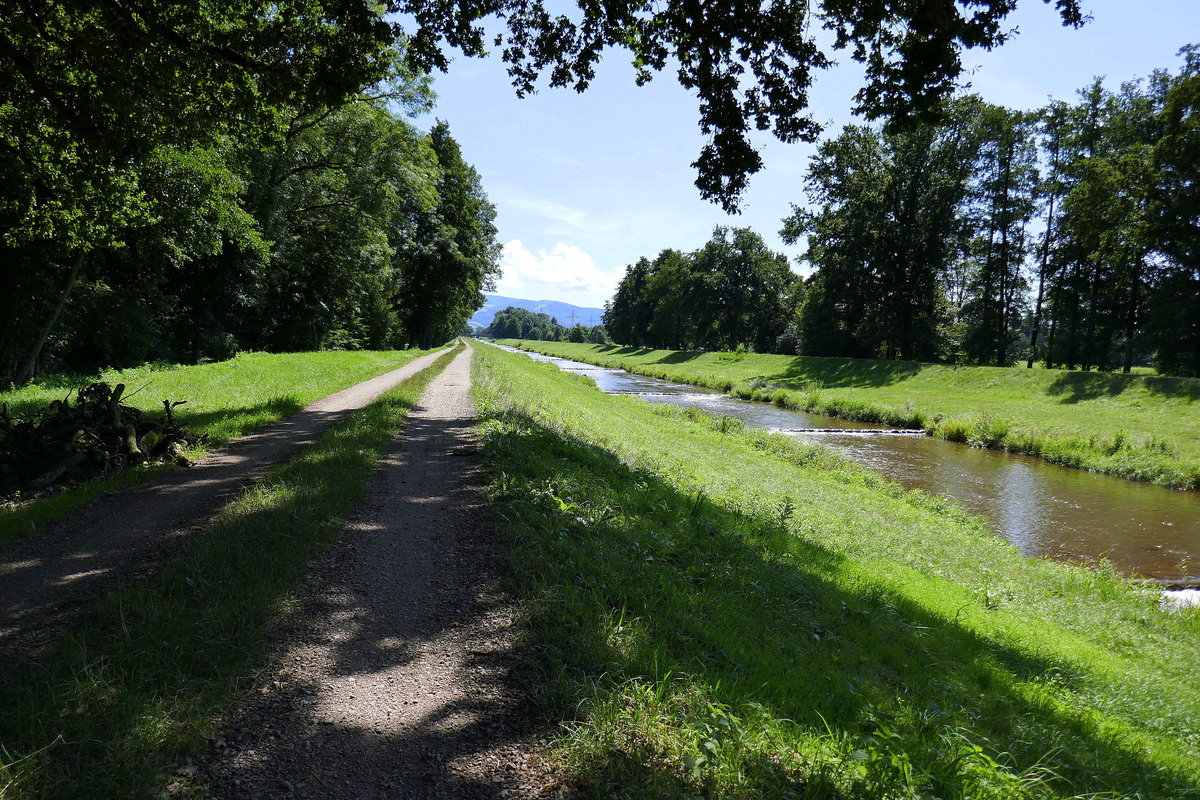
1141 427
225 400
136 686
729 613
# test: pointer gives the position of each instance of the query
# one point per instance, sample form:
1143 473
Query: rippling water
1044 509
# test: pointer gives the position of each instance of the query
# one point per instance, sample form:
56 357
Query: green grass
1140 427
137 684
713 611
225 400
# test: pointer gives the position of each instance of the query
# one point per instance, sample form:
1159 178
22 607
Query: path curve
392 678
50 579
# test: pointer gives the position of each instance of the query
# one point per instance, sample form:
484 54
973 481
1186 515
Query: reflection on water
1044 509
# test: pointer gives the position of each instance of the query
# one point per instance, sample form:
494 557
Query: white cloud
564 272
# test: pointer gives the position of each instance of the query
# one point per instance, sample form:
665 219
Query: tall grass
136 685
729 613
1141 427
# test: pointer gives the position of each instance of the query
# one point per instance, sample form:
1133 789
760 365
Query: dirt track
48 580
391 680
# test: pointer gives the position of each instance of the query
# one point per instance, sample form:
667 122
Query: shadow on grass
234 422
93 539
109 708
847 373
392 606
679 357
1073 387
631 582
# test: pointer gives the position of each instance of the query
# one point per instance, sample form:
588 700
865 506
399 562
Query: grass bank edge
316 380
1150 459
121 697
687 728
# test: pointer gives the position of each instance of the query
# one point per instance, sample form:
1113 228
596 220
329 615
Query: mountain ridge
561 311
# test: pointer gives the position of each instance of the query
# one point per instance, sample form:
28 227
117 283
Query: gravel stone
392 678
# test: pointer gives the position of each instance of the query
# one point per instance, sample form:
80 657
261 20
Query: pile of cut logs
96 434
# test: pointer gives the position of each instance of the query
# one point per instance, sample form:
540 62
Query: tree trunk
30 367
1037 308
1090 356
1135 299
1050 362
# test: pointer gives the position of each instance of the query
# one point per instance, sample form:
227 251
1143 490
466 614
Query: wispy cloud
559 219
545 208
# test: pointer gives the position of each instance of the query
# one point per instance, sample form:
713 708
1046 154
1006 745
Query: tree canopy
268 191
732 292
1110 178
749 63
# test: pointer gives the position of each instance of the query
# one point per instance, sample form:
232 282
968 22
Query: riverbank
1140 427
733 613
224 400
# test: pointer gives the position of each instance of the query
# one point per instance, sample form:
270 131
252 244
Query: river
1044 509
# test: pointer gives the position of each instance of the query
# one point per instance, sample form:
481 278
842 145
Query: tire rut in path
49 580
391 678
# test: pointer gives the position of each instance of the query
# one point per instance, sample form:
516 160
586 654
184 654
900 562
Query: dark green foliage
921 236
886 230
1121 268
732 292
1173 326
750 64
999 207
521 323
346 227
455 255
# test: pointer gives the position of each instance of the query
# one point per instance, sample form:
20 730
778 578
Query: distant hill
559 310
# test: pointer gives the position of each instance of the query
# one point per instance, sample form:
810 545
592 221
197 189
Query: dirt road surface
391 678
48 580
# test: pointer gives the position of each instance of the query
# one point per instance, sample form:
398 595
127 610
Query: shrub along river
1044 509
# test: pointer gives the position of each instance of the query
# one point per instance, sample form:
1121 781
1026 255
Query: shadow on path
393 677
48 580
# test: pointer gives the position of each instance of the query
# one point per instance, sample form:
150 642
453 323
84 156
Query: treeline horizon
272 193
1067 235
514 322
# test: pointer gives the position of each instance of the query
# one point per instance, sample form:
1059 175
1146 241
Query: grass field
716 612
225 400
1141 427
118 699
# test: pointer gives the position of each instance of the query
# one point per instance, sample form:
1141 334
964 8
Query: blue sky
585 184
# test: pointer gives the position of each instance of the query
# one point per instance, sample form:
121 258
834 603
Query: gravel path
391 678
48 580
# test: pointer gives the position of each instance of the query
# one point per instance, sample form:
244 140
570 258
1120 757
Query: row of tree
1070 234
1071 230
184 182
520 323
731 292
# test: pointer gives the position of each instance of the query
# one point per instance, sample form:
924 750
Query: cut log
58 470
94 435
131 441
114 407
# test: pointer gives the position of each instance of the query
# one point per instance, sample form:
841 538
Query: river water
1044 509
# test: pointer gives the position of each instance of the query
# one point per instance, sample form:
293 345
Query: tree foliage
750 64
924 239
731 292
323 219
886 228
